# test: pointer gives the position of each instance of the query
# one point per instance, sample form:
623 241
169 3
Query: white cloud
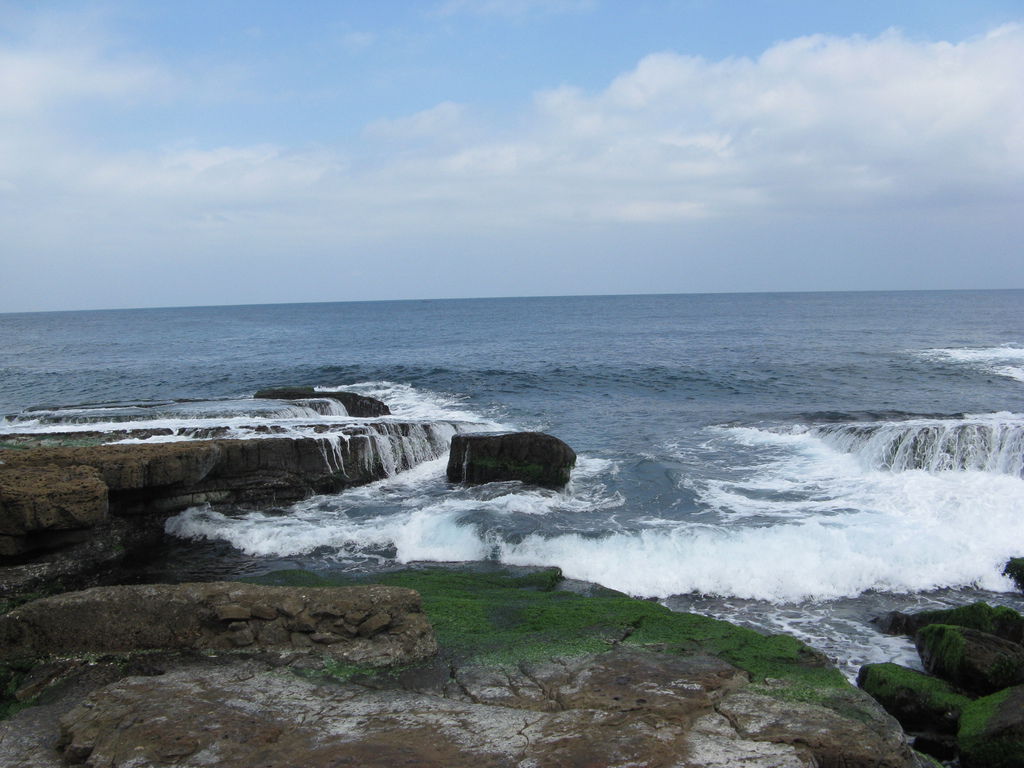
33 80
441 121
817 126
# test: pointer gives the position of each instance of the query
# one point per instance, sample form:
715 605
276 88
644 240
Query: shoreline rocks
525 675
70 512
531 457
971 705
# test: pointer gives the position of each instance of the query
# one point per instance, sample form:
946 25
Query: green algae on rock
992 731
504 619
976 661
919 701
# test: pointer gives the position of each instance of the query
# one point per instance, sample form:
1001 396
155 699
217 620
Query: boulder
532 457
992 731
374 625
357 405
926 707
975 661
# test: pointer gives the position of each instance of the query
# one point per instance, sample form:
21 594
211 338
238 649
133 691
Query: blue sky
156 154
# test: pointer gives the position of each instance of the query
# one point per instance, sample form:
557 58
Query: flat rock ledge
627 707
69 514
372 625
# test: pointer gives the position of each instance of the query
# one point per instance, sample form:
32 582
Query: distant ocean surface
797 462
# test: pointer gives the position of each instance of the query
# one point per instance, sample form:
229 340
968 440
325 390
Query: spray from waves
991 443
408 402
807 521
1006 360
411 517
166 421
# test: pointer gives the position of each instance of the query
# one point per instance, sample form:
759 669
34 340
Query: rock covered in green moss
976 661
920 702
992 731
995 620
532 457
1015 570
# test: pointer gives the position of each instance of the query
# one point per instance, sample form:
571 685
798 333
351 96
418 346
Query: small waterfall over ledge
989 444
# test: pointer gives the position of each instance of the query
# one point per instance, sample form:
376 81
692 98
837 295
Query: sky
204 153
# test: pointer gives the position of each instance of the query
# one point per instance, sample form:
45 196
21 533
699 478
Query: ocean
793 462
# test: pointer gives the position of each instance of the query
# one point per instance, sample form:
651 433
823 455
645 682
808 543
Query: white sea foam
805 520
414 515
408 402
1006 360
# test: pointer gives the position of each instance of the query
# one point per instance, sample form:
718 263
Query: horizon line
494 298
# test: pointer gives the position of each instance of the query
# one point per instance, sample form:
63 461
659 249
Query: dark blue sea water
796 461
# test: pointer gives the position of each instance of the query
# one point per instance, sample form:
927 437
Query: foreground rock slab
532 457
373 625
244 716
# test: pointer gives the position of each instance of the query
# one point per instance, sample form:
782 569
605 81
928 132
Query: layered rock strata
375 625
106 500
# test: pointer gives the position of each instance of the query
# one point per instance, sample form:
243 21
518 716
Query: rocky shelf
69 512
526 674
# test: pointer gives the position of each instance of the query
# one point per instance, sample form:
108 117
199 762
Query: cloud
814 129
440 121
33 80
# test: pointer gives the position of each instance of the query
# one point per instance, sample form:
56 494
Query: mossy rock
995 620
992 731
919 701
1015 570
11 677
507 618
975 661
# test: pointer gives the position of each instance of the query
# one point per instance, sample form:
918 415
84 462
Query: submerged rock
532 457
357 405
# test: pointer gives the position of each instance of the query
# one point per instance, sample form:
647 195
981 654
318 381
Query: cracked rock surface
626 707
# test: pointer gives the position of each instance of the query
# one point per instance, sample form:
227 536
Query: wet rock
63 497
975 661
995 620
532 457
992 731
146 617
920 702
928 708
357 405
1015 570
